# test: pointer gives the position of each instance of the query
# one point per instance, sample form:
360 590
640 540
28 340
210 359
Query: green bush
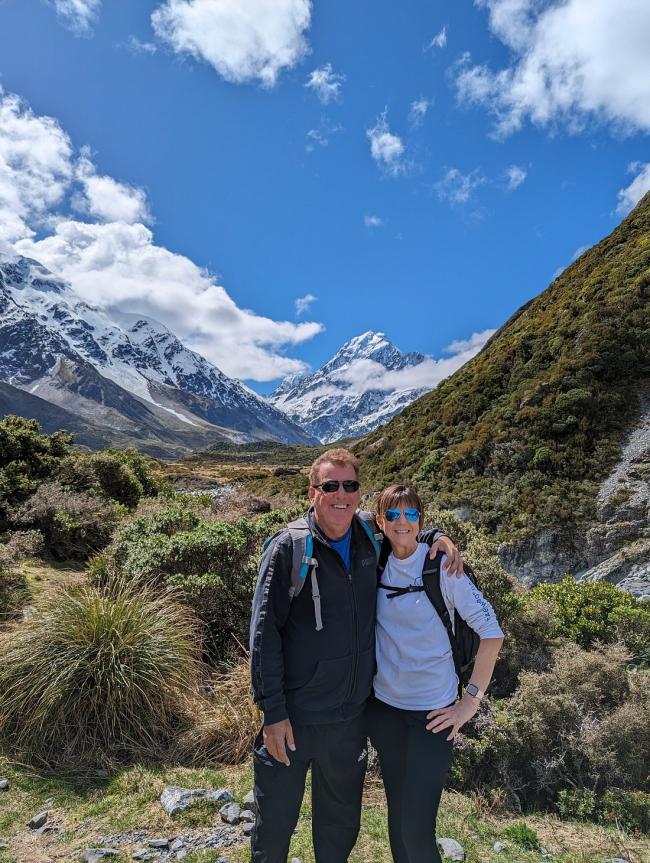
73 525
522 834
632 624
626 810
27 457
585 612
576 803
13 587
97 676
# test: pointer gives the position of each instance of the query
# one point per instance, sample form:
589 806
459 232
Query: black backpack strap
431 581
400 591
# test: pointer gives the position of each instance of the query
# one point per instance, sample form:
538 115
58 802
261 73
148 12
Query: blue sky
447 160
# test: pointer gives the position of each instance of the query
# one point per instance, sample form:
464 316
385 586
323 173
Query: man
312 665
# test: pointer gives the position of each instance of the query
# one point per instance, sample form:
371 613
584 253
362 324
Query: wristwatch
473 690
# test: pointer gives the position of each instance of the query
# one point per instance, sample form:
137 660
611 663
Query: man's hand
278 737
454 558
453 717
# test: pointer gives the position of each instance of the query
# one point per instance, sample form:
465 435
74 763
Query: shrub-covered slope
522 435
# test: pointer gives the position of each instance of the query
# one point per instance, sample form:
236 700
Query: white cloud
119 267
108 200
515 176
386 149
244 40
78 14
35 168
326 83
419 110
303 304
630 196
112 260
373 221
137 46
363 375
576 60
439 40
321 136
458 188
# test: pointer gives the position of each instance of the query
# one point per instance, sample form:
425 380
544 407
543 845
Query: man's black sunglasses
332 485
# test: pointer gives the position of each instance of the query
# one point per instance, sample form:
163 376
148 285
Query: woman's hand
453 717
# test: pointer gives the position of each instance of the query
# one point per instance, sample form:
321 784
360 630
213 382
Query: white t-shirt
415 665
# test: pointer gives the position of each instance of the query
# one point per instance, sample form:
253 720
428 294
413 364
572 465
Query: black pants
414 765
337 755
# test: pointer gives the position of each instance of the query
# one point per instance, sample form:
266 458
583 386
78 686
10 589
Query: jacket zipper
355 649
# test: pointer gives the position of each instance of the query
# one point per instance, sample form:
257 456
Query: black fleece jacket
298 673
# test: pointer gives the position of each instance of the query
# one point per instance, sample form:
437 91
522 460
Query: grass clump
98 676
523 835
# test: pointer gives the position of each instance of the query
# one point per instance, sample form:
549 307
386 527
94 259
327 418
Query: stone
247 815
249 802
182 854
37 821
94 855
4 785
142 854
48 828
499 846
451 849
49 803
247 829
545 854
230 813
159 843
176 845
296 860
617 860
221 795
3 845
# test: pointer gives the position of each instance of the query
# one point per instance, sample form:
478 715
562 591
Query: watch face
472 688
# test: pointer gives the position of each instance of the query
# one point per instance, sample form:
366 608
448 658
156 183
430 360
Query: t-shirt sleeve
463 595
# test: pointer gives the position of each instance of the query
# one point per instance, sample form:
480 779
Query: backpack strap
368 523
303 562
431 582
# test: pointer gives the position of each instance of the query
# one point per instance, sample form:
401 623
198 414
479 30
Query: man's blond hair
339 457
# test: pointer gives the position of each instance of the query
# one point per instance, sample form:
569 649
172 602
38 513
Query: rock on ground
451 849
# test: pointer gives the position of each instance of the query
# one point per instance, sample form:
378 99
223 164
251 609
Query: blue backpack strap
304 562
368 523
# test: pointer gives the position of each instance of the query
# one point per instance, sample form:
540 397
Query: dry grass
224 725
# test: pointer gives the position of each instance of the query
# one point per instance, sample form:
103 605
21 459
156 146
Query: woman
414 714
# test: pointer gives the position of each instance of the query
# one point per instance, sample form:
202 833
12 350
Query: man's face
334 511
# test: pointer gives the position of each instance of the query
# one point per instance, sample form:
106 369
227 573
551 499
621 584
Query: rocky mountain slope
127 373
543 437
328 405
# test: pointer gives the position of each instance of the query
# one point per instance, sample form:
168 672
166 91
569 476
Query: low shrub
578 804
13 587
625 810
632 624
97 676
586 612
522 835
74 525
102 474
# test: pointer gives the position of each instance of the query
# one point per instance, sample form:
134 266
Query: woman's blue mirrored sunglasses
409 514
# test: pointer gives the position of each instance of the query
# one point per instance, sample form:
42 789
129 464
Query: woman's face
402 532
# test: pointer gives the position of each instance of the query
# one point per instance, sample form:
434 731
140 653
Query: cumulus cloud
244 40
303 304
458 188
574 61
35 168
630 196
418 111
79 15
326 83
112 260
439 40
364 374
108 200
373 221
386 148
515 176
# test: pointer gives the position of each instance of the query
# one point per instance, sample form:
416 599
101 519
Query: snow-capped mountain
336 402
128 373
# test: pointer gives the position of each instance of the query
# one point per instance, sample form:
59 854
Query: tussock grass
224 726
97 676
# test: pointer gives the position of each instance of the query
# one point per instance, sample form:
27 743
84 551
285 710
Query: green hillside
521 436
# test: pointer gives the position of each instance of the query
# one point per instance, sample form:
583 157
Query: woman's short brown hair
338 457
397 496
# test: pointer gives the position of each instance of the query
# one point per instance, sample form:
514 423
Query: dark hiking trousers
414 766
337 755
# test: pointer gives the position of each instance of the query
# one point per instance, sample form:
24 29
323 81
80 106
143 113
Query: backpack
304 563
462 638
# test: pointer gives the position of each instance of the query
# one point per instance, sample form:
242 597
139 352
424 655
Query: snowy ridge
329 405
44 323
